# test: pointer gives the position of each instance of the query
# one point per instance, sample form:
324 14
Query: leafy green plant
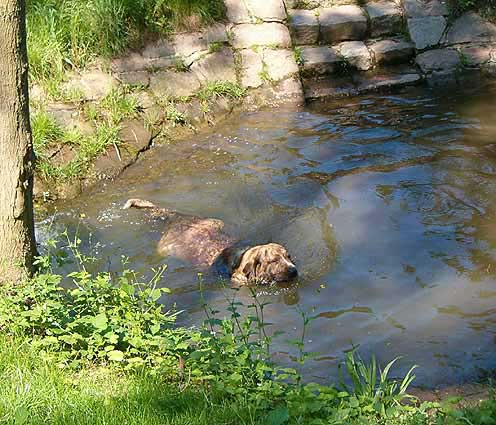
83 321
112 318
484 414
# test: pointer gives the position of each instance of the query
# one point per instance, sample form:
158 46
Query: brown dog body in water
203 242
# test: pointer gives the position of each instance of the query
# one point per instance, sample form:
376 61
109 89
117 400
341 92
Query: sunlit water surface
386 203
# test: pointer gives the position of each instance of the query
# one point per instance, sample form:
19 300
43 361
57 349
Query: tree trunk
17 242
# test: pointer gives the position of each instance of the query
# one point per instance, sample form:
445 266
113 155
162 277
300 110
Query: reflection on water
386 203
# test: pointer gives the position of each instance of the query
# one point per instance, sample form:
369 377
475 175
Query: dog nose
292 271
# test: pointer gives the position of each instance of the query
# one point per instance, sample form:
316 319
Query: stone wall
280 51
333 47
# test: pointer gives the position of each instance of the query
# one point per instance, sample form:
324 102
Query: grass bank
70 34
104 351
36 390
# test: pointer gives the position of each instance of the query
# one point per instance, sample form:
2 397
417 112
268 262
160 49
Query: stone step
391 51
318 88
330 25
358 55
341 23
385 18
304 26
318 60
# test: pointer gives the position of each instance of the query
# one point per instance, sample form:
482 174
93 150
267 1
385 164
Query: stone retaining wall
277 44
279 51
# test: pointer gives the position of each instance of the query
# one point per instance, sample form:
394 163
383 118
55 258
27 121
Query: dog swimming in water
203 242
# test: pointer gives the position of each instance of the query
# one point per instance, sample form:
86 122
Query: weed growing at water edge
174 116
385 395
264 76
343 66
213 89
101 317
118 105
180 65
45 130
49 137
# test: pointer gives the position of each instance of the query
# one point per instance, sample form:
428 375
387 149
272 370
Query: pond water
386 203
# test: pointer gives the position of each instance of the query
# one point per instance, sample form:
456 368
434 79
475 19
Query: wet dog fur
203 242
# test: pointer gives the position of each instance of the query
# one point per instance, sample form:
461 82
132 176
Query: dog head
263 264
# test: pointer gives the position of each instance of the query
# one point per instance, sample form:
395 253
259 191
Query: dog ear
246 270
250 266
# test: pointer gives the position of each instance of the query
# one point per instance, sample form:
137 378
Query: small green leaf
99 321
278 416
115 356
155 294
127 288
68 339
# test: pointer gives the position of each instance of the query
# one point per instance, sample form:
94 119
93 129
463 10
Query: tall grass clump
71 33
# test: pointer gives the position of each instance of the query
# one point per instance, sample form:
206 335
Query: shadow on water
386 203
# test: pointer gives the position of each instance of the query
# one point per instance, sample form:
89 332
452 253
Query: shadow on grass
34 390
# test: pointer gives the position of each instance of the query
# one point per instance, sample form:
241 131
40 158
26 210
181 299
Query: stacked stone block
342 42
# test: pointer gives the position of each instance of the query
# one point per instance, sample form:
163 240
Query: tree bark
17 241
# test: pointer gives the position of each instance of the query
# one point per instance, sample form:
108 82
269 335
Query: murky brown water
387 204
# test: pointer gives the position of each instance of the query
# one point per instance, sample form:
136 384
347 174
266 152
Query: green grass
48 135
46 132
68 34
35 390
118 105
213 89
174 116
215 47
